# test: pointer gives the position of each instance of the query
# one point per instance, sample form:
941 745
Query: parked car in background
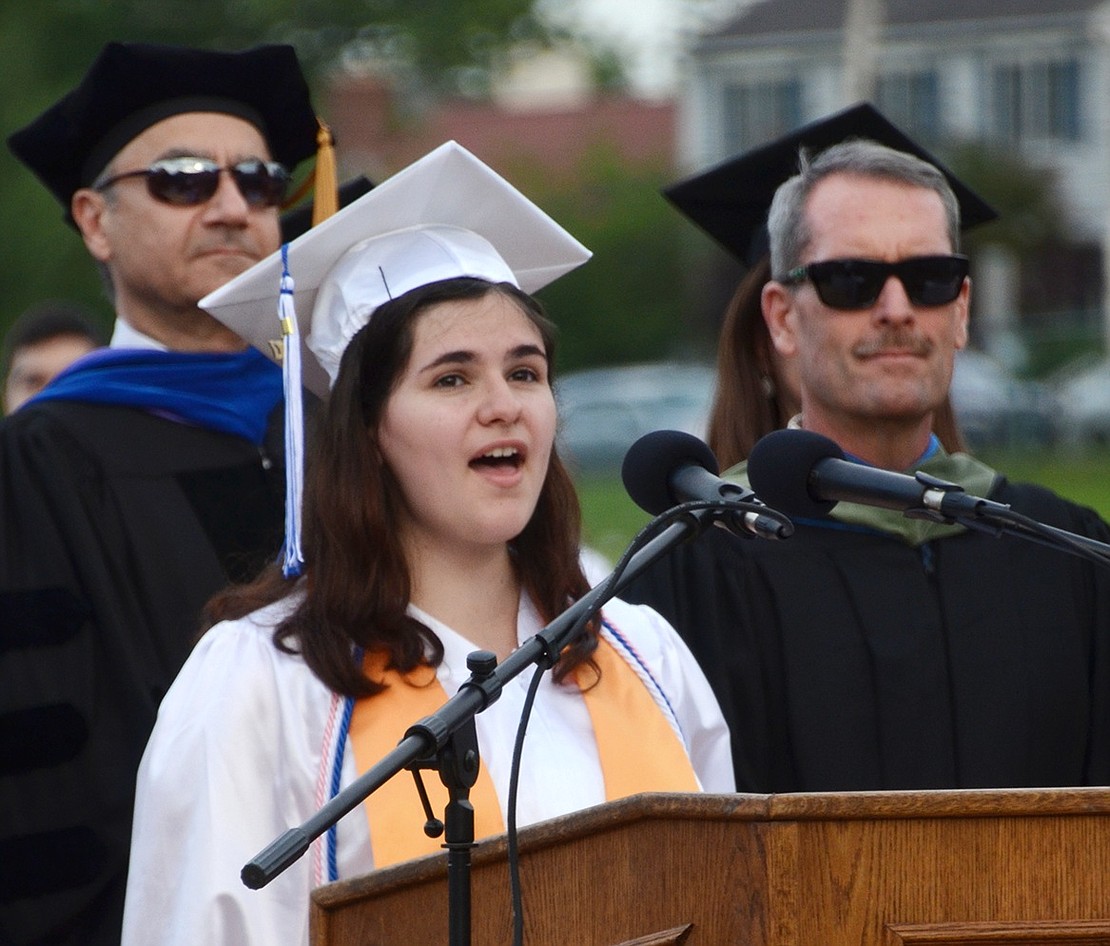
603 411
1083 396
996 409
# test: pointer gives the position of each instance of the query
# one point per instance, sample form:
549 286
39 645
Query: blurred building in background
545 113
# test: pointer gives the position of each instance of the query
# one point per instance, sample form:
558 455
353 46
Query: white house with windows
1028 75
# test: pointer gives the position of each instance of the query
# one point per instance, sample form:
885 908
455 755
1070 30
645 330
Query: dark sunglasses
188 181
856 283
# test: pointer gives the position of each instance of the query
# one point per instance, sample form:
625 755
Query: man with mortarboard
757 387
147 475
871 650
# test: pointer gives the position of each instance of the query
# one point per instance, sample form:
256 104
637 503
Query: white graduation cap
422 212
445 216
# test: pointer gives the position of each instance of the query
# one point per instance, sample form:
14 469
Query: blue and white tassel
293 560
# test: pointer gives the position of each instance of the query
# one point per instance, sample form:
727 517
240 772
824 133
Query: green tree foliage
625 304
1030 213
46 45
1059 275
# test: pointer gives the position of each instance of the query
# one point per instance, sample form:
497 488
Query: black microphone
805 475
667 467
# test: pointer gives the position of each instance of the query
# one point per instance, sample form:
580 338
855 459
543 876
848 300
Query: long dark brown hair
357 582
749 402
746 405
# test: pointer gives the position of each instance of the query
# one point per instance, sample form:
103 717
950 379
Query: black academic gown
845 659
117 526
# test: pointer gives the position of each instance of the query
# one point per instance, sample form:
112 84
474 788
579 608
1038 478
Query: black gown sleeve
117 526
846 659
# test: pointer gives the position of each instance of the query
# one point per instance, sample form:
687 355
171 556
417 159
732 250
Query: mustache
230 240
898 339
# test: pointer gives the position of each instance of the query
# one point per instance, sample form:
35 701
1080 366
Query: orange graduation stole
394 810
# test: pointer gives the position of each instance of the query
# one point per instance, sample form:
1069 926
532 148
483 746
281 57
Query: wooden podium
952 868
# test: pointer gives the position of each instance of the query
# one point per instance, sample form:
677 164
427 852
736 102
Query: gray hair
786 222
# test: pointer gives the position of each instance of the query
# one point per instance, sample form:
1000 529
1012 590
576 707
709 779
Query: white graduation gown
235 757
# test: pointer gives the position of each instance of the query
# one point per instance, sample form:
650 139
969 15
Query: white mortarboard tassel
292 559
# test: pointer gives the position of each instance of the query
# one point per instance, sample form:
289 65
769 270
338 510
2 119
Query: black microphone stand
458 768
446 740
948 503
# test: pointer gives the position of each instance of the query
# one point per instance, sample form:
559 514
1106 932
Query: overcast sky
647 32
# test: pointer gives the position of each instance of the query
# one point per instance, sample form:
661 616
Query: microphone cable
608 587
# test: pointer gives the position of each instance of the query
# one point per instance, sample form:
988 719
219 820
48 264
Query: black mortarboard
131 86
730 200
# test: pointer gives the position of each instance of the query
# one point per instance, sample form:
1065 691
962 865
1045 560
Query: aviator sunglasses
856 283
189 181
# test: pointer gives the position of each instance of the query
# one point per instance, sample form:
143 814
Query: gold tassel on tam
326 196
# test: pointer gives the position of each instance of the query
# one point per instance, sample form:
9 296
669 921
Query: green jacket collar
975 477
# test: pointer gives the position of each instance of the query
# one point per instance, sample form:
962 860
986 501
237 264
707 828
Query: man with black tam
147 476
870 650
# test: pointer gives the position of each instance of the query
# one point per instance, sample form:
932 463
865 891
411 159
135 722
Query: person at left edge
438 519
42 342
145 478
